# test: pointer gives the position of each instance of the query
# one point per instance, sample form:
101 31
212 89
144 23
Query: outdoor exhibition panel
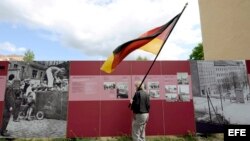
115 97
186 96
98 102
76 99
108 113
248 69
183 118
155 125
3 77
83 119
87 102
84 99
178 104
116 118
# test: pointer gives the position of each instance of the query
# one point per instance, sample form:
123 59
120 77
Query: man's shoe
4 131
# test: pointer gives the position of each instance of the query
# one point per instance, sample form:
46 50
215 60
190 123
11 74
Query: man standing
8 106
52 75
140 104
18 100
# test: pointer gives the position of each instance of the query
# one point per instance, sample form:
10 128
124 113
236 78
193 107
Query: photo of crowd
36 94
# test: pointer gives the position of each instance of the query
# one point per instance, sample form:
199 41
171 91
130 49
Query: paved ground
37 128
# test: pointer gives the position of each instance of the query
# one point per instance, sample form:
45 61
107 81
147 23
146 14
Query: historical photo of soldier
36 98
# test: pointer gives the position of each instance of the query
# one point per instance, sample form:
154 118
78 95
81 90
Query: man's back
144 104
141 103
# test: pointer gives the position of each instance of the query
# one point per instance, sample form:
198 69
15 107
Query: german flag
151 41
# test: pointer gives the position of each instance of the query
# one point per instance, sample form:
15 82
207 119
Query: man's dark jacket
141 102
9 98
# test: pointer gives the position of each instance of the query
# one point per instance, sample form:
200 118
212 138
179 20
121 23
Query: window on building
34 73
15 66
202 92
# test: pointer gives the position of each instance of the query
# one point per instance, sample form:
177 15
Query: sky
92 29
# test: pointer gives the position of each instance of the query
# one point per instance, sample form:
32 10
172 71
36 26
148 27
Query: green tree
29 56
197 53
139 58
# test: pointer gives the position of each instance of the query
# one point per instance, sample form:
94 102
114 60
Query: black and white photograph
109 85
182 78
171 97
122 90
170 89
154 93
154 89
36 99
171 93
183 93
221 92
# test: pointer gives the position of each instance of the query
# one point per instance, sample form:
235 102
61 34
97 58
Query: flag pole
162 47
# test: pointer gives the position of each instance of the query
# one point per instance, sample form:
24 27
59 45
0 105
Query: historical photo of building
37 97
182 78
221 91
154 89
183 93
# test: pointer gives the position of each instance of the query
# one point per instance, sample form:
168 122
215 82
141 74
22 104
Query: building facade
11 57
225 29
220 77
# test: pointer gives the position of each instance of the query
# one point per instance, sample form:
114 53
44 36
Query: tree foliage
139 58
29 56
197 53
